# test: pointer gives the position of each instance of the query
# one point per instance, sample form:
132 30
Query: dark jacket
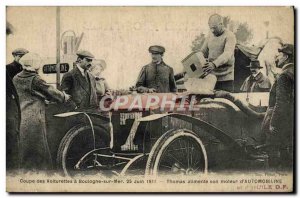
82 90
13 119
159 77
32 91
259 83
13 69
281 107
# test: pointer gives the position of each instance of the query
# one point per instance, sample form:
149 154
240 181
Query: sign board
51 68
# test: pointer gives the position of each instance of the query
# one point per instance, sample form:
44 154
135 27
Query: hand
47 102
151 90
108 92
109 95
208 67
179 75
142 90
67 97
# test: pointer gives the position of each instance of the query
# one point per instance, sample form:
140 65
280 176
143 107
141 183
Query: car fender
218 133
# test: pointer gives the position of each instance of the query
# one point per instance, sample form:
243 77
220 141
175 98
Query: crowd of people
81 88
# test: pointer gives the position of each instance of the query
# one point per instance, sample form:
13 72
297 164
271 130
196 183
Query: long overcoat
280 113
32 91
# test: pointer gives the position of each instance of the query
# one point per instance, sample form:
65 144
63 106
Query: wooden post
58 47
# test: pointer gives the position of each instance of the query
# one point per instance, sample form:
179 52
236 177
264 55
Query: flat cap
254 64
20 51
156 49
287 49
85 54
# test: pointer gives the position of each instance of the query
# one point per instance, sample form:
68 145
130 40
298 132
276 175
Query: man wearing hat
156 76
278 124
256 82
80 84
15 67
218 49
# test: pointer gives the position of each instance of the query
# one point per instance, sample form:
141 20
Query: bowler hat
287 49
85 54
254 64
156 49
20 51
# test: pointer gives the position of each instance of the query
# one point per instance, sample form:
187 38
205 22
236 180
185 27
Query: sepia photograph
150 99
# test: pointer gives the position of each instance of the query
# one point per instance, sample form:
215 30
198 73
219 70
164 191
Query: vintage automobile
220 132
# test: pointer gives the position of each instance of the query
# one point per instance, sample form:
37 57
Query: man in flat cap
278 124
257 81
15 67
218 48
80 84
156 76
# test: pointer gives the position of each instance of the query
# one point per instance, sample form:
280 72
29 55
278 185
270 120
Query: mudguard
198 122
89 113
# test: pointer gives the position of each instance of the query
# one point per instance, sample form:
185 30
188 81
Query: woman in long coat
33 91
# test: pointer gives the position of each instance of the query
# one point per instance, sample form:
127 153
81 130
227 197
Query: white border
4 3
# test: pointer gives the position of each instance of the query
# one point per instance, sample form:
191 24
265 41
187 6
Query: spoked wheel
136 166
177 152
76 150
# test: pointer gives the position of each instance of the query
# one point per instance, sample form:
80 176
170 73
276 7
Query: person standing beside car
257 81
13 117
97 68
218 49
33 91
156 76
278 124
80 83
